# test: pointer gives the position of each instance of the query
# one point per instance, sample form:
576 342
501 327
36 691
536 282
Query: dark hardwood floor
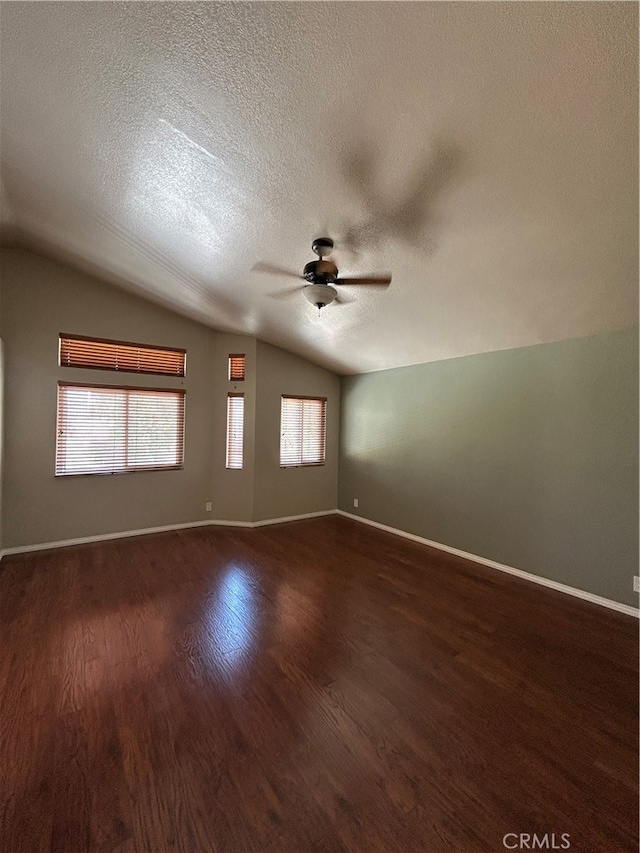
313 686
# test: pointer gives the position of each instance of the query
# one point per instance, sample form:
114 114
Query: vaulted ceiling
483 153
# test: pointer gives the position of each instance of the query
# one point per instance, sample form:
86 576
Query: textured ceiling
483 153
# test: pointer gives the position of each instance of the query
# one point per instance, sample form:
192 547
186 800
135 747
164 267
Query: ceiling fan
322 275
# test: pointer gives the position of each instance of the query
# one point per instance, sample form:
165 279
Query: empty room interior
319 427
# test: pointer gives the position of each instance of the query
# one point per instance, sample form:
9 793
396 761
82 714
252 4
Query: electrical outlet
636 583
355 501
208 506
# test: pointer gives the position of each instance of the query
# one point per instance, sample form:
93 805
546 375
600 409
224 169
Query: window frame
132 469
302 464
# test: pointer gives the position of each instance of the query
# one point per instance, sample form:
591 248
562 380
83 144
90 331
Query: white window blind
302 431
235 430
106 430
237 365
103 354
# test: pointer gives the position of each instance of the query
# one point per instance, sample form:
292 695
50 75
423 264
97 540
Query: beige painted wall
40 299
280 492
232 490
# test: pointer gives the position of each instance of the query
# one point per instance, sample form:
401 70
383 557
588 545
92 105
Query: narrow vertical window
236 367
235 430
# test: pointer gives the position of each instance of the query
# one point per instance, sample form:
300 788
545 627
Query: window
107 430
302 431
102 354
236 367
235 430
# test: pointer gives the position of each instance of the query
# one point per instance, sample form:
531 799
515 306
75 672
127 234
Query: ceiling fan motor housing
320 272
322 246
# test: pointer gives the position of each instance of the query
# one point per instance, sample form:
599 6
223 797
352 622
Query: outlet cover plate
355 502
208 506
636 583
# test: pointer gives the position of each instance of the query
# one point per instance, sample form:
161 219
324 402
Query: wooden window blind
103 354
302 431
235 430
107 430
237 367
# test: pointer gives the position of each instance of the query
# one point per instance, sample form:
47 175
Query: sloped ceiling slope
483 153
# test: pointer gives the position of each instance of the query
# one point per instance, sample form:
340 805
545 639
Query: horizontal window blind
236 367
235 430
106 430
302 431
100 354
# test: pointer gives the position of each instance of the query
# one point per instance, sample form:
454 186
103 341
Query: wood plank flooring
316 686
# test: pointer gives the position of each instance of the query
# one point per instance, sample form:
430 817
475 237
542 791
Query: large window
302 431
104 354
235 430
107 430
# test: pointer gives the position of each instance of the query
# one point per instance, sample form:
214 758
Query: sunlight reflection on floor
232 615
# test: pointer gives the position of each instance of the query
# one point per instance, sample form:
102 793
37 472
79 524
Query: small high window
236 367
104 354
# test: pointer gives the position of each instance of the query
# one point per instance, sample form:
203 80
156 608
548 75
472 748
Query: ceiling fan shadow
412 217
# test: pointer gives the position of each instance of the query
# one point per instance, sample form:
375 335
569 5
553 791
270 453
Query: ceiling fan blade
270 269
383 281
283 294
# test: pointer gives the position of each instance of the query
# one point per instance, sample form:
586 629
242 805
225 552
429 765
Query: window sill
127 471
304 465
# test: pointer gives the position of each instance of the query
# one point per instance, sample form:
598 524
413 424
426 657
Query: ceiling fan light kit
320 294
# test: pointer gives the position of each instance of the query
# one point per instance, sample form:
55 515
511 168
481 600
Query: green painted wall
528 457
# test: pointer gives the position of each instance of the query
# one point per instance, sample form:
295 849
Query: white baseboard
560 587
293 517
123 534
83 540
